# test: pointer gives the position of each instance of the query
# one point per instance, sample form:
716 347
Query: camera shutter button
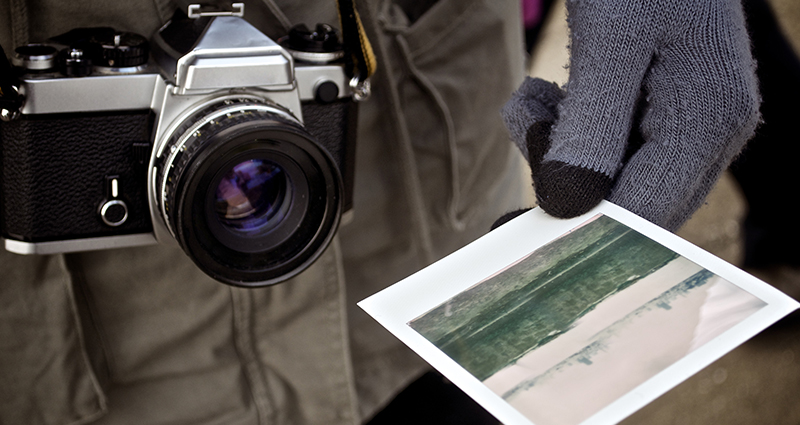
73 62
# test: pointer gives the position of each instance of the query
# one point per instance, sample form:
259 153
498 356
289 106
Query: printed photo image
583 320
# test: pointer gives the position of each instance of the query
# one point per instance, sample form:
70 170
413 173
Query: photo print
583 320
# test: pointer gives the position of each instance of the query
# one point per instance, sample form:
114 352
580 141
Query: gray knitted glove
677 75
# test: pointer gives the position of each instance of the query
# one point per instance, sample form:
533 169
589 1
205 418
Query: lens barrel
248 193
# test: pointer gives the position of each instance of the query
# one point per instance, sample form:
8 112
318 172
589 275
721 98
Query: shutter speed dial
119 49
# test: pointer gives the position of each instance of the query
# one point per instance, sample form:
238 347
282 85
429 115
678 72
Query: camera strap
10 99
360 62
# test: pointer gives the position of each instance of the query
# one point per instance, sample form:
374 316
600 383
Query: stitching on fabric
411 183
101 398
20 31
455 191
243 341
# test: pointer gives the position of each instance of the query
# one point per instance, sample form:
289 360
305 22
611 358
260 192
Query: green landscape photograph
499 320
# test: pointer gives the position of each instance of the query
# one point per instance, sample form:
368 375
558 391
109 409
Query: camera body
220 138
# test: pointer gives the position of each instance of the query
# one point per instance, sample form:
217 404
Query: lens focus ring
248 193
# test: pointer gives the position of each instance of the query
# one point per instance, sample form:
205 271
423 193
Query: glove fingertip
547 92
567 191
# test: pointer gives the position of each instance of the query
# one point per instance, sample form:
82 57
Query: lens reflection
250 195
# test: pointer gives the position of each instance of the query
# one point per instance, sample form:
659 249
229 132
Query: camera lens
250 196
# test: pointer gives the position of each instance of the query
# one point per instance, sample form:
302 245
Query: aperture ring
198 129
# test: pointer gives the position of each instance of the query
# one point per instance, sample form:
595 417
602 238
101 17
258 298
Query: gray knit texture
535 101
692 62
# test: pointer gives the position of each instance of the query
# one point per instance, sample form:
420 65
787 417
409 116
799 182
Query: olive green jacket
141 336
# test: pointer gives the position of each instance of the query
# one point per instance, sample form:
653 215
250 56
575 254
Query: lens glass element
250 196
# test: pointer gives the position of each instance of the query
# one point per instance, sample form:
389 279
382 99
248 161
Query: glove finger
566 191
545 92
692 129
534 102
612 45
611 49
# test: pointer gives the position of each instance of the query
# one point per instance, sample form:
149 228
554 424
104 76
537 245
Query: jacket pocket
456 65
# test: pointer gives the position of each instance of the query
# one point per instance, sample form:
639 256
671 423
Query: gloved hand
662 95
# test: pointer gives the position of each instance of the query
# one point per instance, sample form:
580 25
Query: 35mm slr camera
239 147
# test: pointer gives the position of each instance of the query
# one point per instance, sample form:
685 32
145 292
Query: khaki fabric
435 168
140 335
45 374
161 343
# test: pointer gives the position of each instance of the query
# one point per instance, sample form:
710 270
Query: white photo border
396 306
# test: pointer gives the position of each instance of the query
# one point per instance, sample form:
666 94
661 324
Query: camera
237 146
